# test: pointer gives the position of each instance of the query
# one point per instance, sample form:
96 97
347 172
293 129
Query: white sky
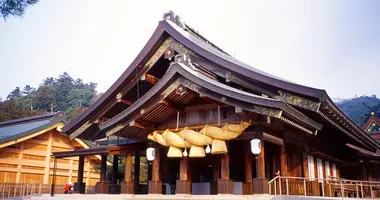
334 45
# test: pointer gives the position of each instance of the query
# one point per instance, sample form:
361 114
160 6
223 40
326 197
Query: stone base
225 186
155 187
126 187
247 188
183 187
260 186
101 187
79 188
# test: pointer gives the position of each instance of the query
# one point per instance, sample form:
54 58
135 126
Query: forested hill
359 108
52 95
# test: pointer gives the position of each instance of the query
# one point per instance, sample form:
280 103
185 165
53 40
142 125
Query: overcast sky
333 45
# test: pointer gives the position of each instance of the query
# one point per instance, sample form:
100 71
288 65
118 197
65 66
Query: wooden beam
124 101
120 99
142 125
147 102
149 78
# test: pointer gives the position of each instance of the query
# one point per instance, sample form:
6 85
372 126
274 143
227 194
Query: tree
16 93
14 7
28 90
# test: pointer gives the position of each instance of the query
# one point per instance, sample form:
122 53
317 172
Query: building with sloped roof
210 124
26 146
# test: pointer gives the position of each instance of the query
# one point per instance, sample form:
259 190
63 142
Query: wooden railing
10 190
299 186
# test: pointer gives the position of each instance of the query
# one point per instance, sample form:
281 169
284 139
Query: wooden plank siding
30 161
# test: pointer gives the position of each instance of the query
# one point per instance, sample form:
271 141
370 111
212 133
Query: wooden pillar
79 186
47 159
115 167
136 176
19 166
305 165
102 185
155 185
260 184
71 170
225 183
113 189
184 184
284 160
88 164
247 186
127 184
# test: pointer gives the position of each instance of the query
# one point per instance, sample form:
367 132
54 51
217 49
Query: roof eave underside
203 83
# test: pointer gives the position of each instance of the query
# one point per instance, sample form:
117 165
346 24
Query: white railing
333 187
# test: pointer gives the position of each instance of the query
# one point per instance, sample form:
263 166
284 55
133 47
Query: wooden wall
29 161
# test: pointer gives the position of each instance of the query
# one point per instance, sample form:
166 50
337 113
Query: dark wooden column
79 186
260 184
216 174
102 185
284 160
155 185
184 184
136 177
115 167
127 184
225 183
247 186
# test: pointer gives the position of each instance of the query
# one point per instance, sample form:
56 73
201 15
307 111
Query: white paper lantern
256 146
150 154
208 149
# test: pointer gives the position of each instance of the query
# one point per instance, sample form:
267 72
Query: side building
26 146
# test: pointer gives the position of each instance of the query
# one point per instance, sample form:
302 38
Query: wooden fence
299 186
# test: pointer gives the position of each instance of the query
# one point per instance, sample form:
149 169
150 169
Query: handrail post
341 189
270 188
3 189
279 184
361 186
40 189
370 189
275 187
323 188
287 186
357 190
304 186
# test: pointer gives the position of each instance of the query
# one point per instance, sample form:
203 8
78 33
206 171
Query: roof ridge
28 119
172 16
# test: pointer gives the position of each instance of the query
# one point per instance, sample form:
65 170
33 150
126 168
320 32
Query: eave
181 74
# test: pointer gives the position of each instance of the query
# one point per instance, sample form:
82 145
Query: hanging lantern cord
218 115
177 120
